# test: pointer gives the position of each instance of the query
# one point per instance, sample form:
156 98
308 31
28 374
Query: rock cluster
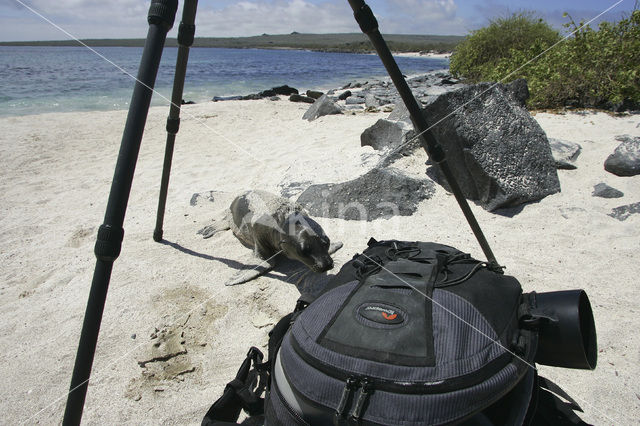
425 88
498 153
269 93
496 150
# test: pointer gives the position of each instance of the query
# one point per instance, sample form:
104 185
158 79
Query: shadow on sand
289 271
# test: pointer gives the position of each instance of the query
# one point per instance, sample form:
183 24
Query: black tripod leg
110 235
186 32
369 25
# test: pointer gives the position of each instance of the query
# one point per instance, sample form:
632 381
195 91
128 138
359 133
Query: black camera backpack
407 333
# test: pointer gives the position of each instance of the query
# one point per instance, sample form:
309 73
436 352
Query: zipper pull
351 385
367 389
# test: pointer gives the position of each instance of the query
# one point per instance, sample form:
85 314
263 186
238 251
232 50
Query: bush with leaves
480 55
590 68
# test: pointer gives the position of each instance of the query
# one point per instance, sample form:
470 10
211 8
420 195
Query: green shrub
590 68
478 56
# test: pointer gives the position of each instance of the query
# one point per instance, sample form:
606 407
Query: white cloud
128 18
276 17
92 11
82 18
223 18
423 17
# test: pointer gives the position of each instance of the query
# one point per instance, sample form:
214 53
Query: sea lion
272 225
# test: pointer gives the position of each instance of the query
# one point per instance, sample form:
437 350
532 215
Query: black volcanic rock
625 160
284 90
623 212
385 134
301 98
380 193
605 191
322 106
499 154
564 153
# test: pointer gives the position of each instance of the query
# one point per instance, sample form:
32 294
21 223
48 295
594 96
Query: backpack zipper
412 387
290 409
366 389
352 384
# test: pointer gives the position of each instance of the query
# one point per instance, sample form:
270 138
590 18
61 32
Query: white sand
423 55
55 179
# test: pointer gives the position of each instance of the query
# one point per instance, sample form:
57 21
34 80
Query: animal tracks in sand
176 349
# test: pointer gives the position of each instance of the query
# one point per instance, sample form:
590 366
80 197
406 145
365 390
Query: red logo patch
381 313
389 317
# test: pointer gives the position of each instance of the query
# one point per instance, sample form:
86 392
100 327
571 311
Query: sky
231 18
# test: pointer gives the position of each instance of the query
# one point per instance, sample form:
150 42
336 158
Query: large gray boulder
322 106
499 154
400 113
625 160
385 134
380 193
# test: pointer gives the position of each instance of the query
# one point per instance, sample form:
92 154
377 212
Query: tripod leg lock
162 12
173 125
186 33
366 19
109 243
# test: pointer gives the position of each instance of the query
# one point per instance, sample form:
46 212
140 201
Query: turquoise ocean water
36 80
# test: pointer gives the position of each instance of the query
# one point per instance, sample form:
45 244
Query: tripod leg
186 32
369 25
110 235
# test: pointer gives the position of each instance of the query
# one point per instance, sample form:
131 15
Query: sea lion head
305 241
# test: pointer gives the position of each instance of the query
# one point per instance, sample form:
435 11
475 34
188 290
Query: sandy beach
55 180
423 55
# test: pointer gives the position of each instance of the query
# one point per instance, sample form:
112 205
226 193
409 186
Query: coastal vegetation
588 68
344 42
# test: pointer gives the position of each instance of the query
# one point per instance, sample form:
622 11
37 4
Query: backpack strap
550 386
253 377
243 392
551 409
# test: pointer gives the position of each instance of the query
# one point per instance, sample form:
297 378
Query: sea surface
36 80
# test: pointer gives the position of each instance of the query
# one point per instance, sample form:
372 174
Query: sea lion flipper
211 230
334 247
218 225
251 272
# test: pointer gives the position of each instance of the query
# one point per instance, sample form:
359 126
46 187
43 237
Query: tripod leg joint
108 243
186 33
173 125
